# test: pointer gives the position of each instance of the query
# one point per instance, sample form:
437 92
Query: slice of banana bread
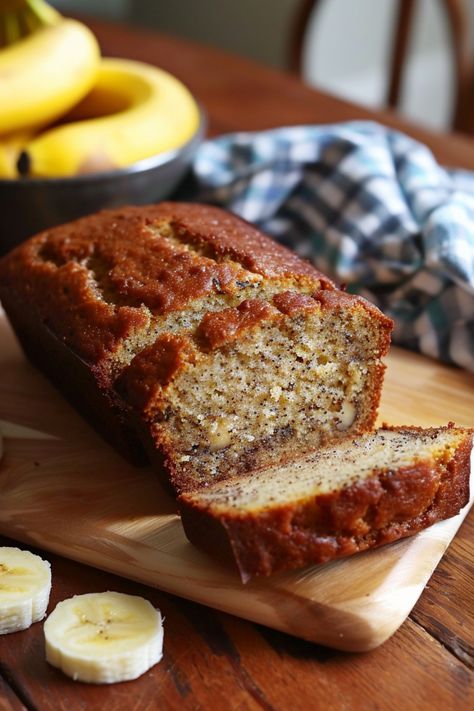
222 348
358 494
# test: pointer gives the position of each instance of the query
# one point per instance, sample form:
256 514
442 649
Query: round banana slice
103 638
25 585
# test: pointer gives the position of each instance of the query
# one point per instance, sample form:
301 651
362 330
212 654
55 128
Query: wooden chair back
456 17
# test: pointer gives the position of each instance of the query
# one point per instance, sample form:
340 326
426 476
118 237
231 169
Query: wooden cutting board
65 490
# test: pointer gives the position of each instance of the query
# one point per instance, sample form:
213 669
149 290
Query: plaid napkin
369 206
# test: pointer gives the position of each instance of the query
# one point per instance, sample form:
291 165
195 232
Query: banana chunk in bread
182 328
358 494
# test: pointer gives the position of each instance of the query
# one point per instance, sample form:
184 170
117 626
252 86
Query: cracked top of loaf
101 281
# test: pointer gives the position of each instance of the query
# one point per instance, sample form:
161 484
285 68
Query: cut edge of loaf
270 529
288 382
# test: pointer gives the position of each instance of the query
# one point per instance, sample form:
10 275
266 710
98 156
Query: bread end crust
388 506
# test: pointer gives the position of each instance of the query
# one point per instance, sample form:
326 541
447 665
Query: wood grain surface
216 661
64 489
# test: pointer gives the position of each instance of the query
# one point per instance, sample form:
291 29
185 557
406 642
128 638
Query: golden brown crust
385 507
226 235
341 300
142 383
222 327
292 303
95 282
91 278
65 300
88 389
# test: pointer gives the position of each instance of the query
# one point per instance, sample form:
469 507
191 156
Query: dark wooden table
213 660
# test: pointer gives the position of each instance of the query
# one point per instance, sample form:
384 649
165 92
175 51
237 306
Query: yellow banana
134 111
45 74
10 148
19 18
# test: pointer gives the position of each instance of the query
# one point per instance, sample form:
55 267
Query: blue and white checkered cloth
369 206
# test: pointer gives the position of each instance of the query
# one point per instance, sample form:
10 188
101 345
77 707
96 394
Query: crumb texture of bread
224 350
334 502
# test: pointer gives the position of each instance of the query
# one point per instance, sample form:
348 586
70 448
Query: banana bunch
64 111
45 74
134 111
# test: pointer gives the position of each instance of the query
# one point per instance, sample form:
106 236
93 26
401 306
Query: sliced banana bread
223 349
358 494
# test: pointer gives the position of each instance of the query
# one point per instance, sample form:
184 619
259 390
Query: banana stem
44 12
11 28
19 18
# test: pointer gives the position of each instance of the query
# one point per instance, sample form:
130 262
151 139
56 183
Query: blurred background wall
346 50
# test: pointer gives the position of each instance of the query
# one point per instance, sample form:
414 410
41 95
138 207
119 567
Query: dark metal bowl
29 205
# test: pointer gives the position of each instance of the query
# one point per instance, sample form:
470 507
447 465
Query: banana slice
105 637
25 584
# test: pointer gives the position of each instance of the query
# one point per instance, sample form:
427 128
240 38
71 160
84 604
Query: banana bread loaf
221 348
358 494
